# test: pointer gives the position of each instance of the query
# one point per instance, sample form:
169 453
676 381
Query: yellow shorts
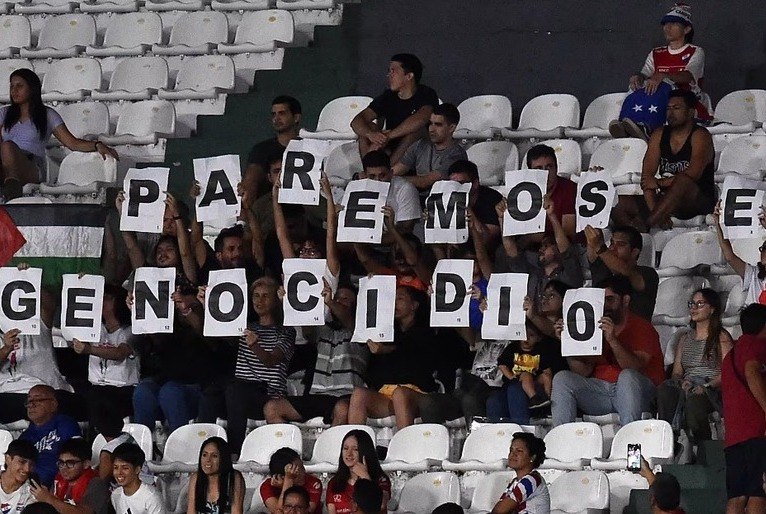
388 389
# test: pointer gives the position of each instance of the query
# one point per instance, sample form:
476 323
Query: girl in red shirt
358 459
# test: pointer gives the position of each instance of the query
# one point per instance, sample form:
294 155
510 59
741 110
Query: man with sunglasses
77 488
48 430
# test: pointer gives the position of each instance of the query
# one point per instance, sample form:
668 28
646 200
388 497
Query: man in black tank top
677 175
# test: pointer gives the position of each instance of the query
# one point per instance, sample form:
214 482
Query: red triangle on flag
11 240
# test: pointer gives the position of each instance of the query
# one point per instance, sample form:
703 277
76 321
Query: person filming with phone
664 489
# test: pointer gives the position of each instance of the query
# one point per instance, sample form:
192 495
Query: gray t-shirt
25 134
424 158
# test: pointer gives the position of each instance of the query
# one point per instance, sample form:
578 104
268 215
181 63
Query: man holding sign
624 377
481 201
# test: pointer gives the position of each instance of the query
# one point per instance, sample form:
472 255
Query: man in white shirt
20 460
133 496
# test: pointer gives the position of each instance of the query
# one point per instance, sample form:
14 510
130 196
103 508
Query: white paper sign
582 335
446 206
451 293
81 307
375 309
741 203
301 169
226 303
218 178
524 191
144 206
303 303
20 300
595 199
153 310
505 318
361 220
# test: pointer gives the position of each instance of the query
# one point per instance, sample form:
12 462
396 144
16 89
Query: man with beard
624 377
230 254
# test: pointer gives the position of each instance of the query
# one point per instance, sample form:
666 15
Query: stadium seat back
493 158
485 112
139 73
67 30
419 442
342 162
748 249
15 31
689 249
206 72
655 436
133 29
489 489
263 27
82 169
551 111
425 492
5 439
602 110
673 293
73 74
142 435
337 113
262 442
742 107
85 118
489 442
571 441
744 155
580 491
620 156
147 117
568 156
330 442
200 27
184 443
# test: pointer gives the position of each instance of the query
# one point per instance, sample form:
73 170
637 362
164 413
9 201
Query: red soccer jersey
745 418
312 485
689 58
342 501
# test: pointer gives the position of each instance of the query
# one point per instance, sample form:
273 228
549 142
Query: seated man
621 258
683 152
481 201
561 191
430 159
47 430
402 196
132 496
402 111
664 490
624 377
77 488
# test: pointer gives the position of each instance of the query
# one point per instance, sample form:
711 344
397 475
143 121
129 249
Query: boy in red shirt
286 470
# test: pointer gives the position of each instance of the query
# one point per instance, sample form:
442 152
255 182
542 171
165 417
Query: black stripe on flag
57 215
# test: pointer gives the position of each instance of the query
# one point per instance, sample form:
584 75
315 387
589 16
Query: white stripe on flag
61 242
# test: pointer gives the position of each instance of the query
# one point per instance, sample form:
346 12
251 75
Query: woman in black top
216 487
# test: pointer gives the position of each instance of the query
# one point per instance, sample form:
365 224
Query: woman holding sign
27 125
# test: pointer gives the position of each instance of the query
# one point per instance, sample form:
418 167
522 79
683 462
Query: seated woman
358 461
528 491
27 125
694 391
399 374
216 487
286 471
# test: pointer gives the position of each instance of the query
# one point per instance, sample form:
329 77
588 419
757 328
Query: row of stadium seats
107 6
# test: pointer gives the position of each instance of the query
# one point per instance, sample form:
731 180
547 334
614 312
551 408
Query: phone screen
634 457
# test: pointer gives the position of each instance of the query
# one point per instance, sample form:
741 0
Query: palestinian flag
10 238
61 238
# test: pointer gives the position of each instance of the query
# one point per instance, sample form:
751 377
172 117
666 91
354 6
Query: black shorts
313 405
745 466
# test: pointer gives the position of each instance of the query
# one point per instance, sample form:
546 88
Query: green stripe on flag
54 267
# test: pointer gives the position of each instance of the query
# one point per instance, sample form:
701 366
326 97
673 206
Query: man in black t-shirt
481 201
402 111
286 122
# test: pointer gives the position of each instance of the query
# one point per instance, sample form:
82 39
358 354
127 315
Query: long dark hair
226 478
37 111
712 351
366 449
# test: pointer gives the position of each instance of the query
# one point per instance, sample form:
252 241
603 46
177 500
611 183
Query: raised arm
280 225
135 255
333 260
256 237
188 262
482 256
197 241
562 241
728 252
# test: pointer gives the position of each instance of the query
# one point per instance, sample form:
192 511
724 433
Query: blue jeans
510 402
631 395
174 401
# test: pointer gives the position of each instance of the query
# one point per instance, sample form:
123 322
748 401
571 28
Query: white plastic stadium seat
417 447
687 250
202 77
423 493
341 164
485 449
5 439
483 116
673 294
262 442
568 156
239 5
8 66
135 78
598 114
488 491
335 119
545 117
142 435
623 159
45 7
324 456
143 123
744 156
309 5
130 34
655 437
195 33
15 33
183 445
493 158
109 6
572 445
82 173
71 80
174 5
261 31
621 483
740 112
85 119
63 36
580 492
